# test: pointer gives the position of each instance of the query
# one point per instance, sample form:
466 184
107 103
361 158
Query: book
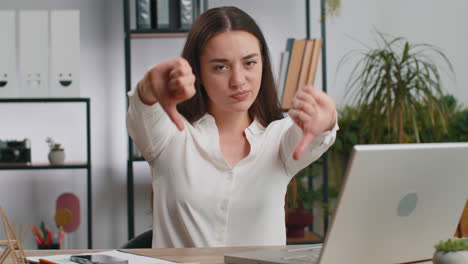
302 68
292 78
283 71
305 66
317 47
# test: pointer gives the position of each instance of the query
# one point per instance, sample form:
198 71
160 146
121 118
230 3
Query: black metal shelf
45 100
84 165
43 166
157 35
138 159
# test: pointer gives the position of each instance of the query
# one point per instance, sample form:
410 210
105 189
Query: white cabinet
8 87
34 53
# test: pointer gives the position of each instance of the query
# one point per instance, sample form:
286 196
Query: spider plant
397 87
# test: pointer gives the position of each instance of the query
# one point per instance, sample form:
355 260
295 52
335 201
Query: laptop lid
397 202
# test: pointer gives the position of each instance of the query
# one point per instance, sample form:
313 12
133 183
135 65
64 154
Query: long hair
266 107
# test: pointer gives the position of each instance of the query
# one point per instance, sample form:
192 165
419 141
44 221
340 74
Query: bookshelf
131 33
149 33
45 166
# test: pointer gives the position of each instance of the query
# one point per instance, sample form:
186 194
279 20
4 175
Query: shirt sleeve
149 126
290 139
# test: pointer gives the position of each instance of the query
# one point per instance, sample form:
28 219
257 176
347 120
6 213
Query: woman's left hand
314 112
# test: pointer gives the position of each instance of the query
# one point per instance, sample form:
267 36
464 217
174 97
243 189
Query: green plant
397 88
332 8
302 194
452 244
53 146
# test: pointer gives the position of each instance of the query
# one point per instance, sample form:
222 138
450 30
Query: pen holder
53 246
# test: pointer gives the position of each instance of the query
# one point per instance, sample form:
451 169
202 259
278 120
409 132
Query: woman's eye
220 67
251 63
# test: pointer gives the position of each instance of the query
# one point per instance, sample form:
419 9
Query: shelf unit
129 35
42 166
136 34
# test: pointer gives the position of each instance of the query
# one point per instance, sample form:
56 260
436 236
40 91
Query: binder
187 13
34 51
8 84
143 14
64 53
162 11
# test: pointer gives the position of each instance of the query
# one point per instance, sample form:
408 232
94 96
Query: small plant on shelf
452 251
57 153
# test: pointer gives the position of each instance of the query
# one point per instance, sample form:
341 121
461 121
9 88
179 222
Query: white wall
29 196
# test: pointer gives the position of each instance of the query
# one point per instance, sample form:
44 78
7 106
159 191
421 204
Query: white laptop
397 201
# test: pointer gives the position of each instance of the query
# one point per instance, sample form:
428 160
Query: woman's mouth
240 96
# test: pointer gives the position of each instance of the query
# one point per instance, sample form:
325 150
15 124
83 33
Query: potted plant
452 251
57 153
397 89
302 198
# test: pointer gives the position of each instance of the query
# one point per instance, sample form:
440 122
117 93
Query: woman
220 152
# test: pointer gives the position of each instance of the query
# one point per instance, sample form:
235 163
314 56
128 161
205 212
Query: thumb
302 145
174 115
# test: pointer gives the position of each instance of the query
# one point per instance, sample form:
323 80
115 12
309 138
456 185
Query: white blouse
199 199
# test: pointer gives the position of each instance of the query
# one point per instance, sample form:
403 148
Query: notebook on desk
397 201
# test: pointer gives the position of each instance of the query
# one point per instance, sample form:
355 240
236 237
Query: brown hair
266 107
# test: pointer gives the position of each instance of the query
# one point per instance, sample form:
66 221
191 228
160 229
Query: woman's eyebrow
222 60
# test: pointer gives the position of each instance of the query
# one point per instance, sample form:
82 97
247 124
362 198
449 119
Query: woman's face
231 71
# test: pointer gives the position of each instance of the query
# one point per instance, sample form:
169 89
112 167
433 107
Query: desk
201 255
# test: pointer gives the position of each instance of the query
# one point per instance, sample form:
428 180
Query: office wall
29 197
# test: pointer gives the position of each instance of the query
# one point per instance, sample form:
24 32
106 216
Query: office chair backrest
143 240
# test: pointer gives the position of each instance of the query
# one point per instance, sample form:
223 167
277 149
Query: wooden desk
201 255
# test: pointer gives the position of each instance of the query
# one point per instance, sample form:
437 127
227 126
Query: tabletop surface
200 255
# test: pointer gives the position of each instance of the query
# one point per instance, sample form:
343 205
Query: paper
132 258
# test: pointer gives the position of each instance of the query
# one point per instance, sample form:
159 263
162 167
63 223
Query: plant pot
57 157
453 257
296 222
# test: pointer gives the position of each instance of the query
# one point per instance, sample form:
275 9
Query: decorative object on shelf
297 220
45 238
300 201
56 153
15 151
12 244
68 212
452 251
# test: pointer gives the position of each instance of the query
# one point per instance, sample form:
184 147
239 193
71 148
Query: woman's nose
237 77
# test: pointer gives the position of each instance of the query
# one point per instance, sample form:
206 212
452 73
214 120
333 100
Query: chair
143 240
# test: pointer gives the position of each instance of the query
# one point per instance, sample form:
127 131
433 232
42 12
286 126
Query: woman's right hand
169 83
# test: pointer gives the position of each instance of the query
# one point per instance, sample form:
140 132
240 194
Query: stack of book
166 15
297 68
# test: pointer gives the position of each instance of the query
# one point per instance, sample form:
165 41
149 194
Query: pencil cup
53 246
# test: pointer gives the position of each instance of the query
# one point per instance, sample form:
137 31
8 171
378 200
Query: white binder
34 52
8 86
64 53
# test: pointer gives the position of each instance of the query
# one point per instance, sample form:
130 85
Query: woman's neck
231 122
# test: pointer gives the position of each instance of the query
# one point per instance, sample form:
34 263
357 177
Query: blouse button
224 205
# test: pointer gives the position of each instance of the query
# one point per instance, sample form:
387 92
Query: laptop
397 201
